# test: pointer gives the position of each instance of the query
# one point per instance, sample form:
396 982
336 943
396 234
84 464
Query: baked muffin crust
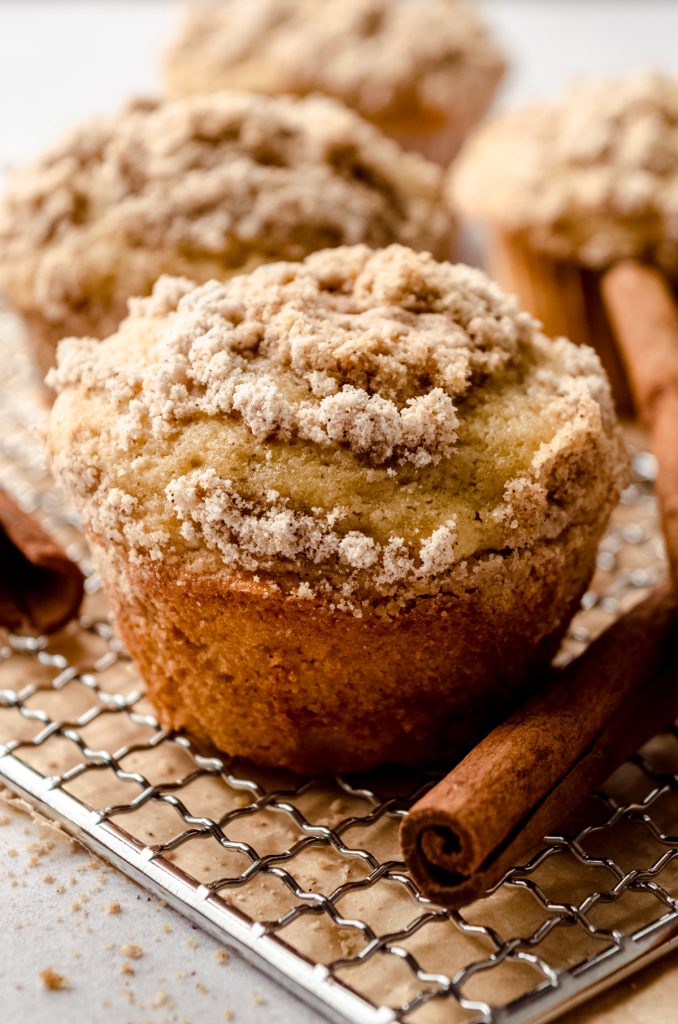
203 186
391 60
354 427
591 176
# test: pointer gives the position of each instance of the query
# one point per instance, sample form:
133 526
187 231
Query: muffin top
205 185
388 59
590 177
355 426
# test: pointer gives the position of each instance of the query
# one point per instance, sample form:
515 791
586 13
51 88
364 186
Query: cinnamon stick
521 781
40 588
644 317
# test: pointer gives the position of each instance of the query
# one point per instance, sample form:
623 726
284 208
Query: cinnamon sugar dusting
361 423
592 175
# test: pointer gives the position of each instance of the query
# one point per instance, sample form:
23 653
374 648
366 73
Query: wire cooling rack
304 875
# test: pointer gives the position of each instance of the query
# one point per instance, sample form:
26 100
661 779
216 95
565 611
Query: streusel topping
381 57
591 176
225 179
371 351
361 422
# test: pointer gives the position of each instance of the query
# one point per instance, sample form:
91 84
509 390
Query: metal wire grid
561 958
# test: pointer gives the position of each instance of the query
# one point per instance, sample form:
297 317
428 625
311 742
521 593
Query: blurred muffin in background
205 186
424 71
568 187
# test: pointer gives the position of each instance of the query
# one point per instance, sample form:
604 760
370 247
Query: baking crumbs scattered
258 999
132 951
191 943
52 981
223 956
127 969
228 1014
201 988
12 852
113 908
167 927
5 819
48 879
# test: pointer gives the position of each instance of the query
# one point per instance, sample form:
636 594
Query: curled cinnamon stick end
522 780
644 316
40 588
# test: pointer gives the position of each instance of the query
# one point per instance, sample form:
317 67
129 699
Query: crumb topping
372 351
381 57
357 424
213 183
591 176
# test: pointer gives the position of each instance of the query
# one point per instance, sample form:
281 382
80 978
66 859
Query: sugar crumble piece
222 955
160 998
113 908
52 981
127 969
132 950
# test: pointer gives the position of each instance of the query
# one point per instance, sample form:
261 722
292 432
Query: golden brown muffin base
284 680
566 298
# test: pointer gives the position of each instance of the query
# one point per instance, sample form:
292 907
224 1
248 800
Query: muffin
344 508
568 187
204 186
423 71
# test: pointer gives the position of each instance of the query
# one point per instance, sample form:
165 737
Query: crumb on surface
132 950
113 908
52 981
160 998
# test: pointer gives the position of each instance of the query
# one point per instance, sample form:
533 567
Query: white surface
61 60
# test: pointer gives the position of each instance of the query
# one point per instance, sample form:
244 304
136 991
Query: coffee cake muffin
204 186
568 187
424 71
343 508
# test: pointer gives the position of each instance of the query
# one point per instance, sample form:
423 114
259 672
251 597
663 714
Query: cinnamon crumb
52 981
160 998
131 950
